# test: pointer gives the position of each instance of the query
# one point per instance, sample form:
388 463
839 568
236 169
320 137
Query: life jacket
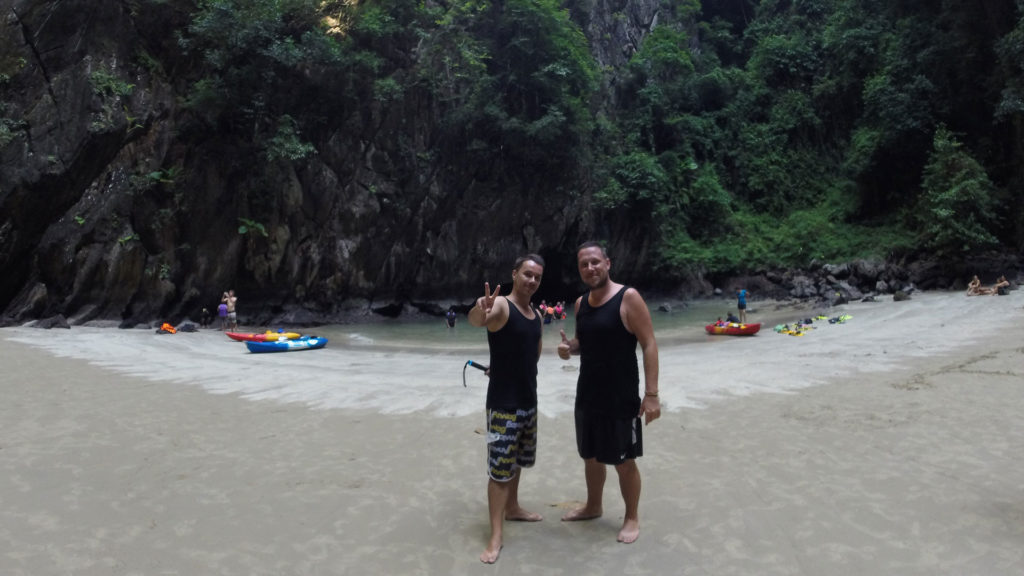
167 328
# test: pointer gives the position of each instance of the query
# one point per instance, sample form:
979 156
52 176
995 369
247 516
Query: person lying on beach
973 286
1001 285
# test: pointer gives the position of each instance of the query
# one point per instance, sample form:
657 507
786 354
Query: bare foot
630 531
490 555
579 514
522 515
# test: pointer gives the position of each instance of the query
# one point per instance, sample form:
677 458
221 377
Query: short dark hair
523 259
592 244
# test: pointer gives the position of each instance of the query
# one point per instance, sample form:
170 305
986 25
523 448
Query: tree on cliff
957 209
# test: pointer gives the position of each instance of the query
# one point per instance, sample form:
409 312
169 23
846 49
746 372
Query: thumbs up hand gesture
564 347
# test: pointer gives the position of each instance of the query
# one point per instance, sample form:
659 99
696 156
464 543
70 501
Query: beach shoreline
865 448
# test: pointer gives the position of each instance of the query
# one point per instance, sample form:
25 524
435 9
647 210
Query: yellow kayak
268 336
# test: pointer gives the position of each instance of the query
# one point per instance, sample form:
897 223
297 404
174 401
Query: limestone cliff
116 204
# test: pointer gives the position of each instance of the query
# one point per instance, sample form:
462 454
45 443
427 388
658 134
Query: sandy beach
890 444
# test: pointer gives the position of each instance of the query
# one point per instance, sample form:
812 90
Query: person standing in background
741 303
222 313
231 302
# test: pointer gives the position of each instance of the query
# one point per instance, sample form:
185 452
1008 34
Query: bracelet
655 394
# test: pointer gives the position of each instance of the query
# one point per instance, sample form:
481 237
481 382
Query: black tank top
514 361
609 379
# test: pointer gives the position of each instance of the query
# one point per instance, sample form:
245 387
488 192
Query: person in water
514 338
450 316
611 319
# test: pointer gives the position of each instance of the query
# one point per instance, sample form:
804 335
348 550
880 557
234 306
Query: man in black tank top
514 338
611 319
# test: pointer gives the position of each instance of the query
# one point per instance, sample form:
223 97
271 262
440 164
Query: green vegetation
105 83
270 66
130 120
10 62
8 127
248 226
957 204
110 89
738 134
8 131
815 130
167 176
285 143
149 62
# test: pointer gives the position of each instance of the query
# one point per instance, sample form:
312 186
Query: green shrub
957 205
106 84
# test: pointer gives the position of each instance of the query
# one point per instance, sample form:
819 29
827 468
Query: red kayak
733 329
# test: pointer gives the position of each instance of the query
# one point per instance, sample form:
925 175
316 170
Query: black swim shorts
608 440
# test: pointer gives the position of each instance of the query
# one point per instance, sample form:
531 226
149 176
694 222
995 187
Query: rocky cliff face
69 209
112 207
118 204
616 29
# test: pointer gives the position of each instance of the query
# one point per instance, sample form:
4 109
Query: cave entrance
560 281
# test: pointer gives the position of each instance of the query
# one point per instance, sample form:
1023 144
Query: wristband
648 394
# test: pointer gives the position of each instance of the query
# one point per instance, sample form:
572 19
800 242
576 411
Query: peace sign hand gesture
487 302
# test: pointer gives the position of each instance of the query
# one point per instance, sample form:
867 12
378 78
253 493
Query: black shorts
608 440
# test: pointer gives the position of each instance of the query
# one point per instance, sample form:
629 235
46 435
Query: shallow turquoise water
684 323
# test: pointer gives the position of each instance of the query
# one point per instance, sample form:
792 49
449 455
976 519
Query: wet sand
888 445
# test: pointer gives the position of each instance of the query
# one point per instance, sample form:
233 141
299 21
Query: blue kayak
303 343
